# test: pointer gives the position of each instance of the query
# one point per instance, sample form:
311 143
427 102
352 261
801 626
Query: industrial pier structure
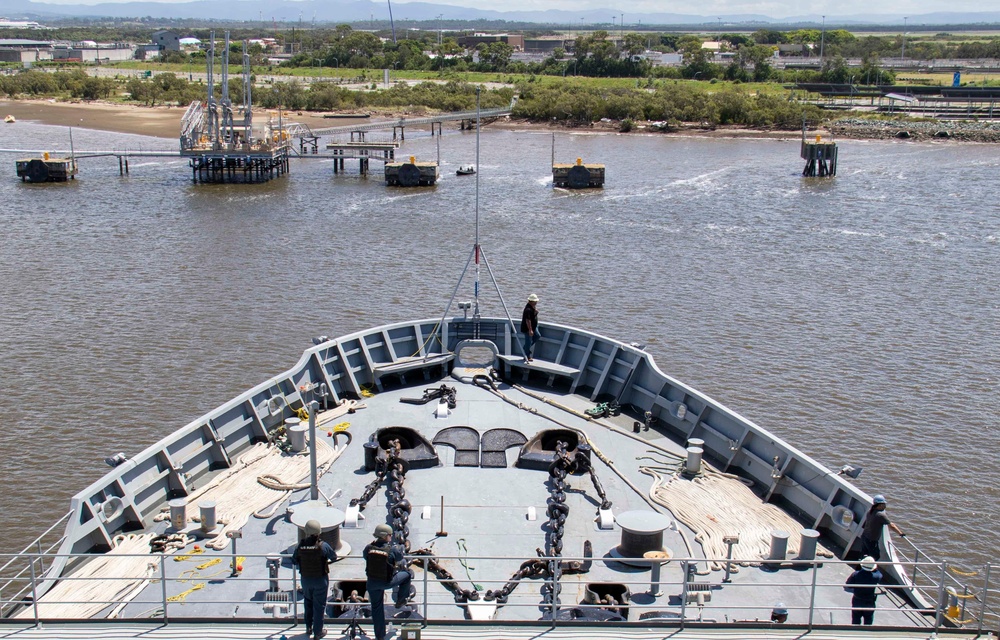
577 176
820 157
219 149
46 169
411 173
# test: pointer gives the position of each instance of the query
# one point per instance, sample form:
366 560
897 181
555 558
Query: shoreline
164 121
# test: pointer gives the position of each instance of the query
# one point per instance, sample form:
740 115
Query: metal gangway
399 123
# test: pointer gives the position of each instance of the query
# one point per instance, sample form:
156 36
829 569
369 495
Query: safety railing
964 591
18 566
811 593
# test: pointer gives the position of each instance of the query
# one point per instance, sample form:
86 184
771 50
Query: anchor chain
583 464
400 513
558 511
400 508
444 391
381 470
428 562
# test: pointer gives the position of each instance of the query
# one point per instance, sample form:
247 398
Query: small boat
466 170
9 119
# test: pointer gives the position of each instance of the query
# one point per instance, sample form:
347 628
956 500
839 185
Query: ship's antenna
478 255
391 23
476 311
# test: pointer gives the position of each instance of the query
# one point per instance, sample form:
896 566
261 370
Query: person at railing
779 613
862 585
875 522
385 568
529 325
313 558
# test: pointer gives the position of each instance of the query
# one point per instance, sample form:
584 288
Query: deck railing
12 572
171 589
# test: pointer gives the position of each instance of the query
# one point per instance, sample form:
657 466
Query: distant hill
360 11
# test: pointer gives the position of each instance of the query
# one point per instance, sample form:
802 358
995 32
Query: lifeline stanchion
163 585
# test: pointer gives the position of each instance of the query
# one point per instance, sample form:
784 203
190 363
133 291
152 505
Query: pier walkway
401 123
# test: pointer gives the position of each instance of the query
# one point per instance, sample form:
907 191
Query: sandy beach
159 121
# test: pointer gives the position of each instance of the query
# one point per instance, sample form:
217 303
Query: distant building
267 44
147 51
547 45
89 51
529 56
167 41
25 55
471 42
189 42
792 50
18 24
24 51
17 43
665 59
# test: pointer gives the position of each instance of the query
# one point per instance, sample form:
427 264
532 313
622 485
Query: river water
855 317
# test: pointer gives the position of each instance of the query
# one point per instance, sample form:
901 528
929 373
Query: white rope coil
106 579
250 485
718 505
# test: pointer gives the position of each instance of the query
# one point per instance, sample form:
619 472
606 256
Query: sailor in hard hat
862 584
779 613
313 557
385 568
529 326
871 536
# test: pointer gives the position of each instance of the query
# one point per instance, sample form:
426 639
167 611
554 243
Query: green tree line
75 84
569 101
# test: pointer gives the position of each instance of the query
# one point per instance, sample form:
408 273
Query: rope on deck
110 578
717 505
252 483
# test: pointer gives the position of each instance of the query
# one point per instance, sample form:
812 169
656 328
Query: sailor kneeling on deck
313 558
385 568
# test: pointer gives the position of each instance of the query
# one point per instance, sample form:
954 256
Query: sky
774 8
771 8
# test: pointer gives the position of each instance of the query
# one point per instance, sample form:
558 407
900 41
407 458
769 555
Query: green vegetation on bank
571 101
601 76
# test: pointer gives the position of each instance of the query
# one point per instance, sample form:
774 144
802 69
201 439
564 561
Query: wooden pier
46 169
820 157
578 175
411 174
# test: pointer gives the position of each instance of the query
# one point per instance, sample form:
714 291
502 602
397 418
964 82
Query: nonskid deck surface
489 529
275 631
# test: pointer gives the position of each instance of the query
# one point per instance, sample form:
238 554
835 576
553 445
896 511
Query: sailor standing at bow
385 569
871 536
313 558
529 326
